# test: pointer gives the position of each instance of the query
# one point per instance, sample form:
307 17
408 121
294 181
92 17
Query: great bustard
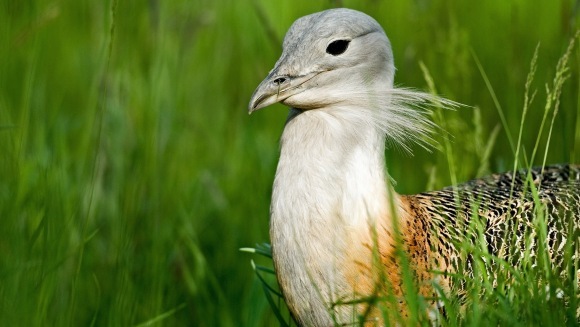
332 206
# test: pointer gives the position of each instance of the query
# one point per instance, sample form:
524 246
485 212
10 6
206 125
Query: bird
336 223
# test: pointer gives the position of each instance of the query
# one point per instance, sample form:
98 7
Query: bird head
327 58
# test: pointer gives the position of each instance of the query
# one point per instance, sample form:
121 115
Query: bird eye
337 47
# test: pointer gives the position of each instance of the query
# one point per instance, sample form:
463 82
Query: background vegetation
131 174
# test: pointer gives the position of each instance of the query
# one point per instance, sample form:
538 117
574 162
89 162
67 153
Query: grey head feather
316 31
357 81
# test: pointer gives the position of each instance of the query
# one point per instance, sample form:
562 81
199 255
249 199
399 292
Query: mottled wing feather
506 208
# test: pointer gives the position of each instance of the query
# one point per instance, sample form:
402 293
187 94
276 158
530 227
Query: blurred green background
131 174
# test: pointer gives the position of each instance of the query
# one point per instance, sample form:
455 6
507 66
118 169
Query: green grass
131 174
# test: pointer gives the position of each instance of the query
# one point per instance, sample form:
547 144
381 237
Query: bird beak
277 88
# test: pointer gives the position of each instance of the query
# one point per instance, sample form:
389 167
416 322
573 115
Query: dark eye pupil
337 47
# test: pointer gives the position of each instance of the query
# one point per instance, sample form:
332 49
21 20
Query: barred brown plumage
336 224
507 206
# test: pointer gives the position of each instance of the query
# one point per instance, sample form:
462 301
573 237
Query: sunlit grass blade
161 317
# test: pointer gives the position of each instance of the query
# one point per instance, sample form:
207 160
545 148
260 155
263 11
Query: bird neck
330 186
330 167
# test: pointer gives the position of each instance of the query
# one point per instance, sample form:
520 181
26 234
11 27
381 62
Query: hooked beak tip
254 105
251 110
260 99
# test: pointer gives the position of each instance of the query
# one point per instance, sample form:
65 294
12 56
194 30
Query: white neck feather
329 185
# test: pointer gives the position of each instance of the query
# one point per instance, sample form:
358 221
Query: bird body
336 223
